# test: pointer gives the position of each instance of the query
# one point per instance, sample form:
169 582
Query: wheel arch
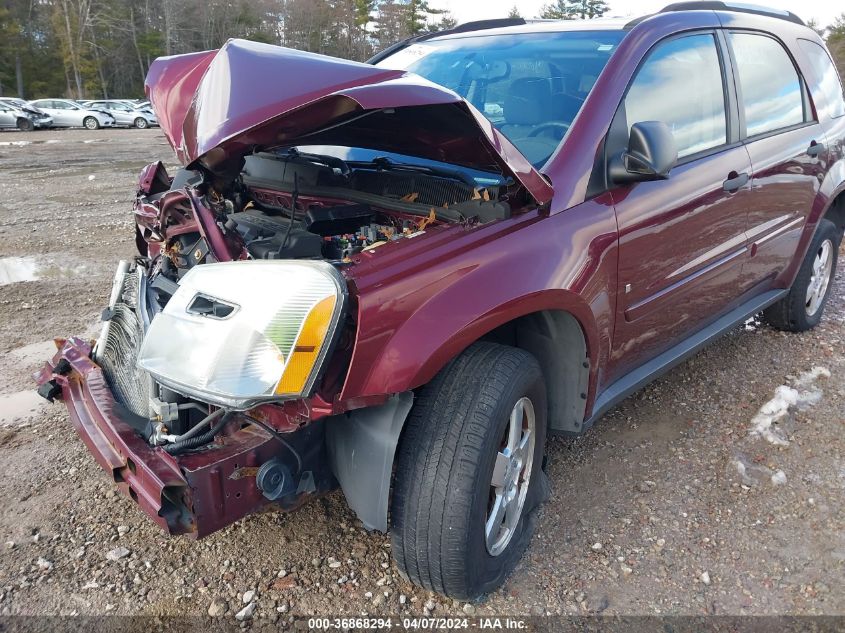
556 326
835 211
556 339
829 204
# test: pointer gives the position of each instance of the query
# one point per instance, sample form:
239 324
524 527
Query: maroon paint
194 494
233 108
421 301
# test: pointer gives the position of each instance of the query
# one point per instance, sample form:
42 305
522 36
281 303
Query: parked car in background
124 113
17 113
68 113
400 277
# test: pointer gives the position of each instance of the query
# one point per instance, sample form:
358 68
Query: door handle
815 149
735 181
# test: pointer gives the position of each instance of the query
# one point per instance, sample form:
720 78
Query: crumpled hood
217 106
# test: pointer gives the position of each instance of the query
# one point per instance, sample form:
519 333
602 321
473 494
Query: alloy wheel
820 278
511 477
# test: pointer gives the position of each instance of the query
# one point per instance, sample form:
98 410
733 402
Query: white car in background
125 113
67 113
17 113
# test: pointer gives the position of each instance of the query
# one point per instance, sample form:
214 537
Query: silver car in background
125 113
18 114
67 113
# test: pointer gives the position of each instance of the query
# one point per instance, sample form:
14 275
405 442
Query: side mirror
651 154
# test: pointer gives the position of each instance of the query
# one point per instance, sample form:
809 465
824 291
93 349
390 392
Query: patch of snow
805 393
750 473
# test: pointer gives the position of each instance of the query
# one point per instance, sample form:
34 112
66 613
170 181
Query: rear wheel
141 123
803 307
469 472
25 125
91 123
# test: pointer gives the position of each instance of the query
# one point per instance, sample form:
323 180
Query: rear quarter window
830 98
770 87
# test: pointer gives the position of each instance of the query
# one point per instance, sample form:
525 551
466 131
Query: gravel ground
669 506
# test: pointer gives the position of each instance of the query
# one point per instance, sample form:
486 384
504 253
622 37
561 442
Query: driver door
682 240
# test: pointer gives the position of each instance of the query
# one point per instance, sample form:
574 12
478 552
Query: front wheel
803 307
141 123
25 125
91 123
469 472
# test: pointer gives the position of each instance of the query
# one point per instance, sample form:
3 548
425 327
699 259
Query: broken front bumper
195 493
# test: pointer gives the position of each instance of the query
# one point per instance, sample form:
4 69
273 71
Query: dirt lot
650 512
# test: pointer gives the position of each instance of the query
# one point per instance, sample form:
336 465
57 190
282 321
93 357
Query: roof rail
740 7
466 27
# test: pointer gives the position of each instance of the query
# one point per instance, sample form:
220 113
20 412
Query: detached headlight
238 333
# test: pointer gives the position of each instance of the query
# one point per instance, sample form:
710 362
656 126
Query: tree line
103 48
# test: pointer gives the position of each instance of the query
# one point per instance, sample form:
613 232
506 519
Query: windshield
529 85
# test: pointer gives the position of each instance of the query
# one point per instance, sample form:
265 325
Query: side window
770 88
680 83
830 86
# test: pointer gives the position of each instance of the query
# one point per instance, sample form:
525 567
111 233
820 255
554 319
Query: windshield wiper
333 162
383 163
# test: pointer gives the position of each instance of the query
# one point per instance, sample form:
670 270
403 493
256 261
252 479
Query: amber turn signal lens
308 344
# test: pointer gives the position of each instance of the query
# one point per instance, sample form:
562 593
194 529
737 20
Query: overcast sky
823 11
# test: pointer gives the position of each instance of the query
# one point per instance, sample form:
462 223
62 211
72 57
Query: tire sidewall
486 571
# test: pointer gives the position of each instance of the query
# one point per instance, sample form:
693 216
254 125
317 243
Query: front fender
466 282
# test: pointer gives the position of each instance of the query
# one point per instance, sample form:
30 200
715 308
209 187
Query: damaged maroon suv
398 278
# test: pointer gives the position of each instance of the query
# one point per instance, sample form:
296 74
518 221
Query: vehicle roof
543 26
736 14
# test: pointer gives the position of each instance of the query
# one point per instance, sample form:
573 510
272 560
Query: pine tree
836 43
574 9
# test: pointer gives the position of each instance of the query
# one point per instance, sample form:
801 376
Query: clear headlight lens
239 333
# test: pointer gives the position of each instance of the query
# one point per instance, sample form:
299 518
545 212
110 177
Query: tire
91 123
802 308
25 125
443 492
141 123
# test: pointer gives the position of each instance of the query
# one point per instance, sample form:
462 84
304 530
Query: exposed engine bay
280 206
294 205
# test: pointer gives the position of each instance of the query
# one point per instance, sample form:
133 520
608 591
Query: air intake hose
198 440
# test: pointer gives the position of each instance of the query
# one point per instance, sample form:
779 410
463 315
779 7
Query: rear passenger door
60 113
7 115
47 106
681 240
787 148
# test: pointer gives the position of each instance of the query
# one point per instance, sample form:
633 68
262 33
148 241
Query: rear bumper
193 494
